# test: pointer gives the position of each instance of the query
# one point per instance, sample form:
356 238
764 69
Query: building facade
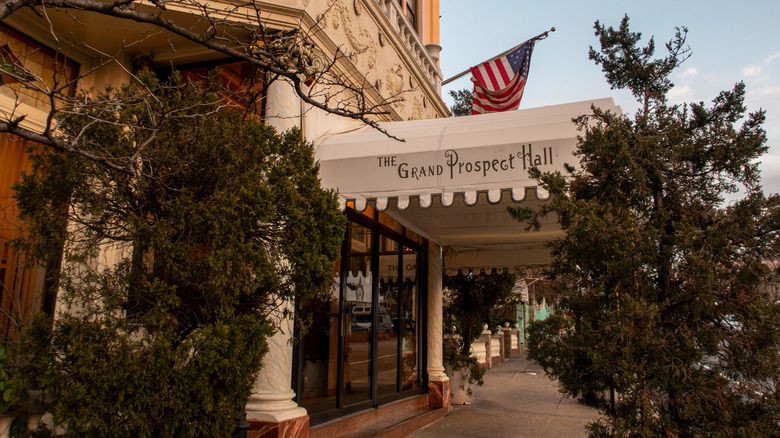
386 49
433 203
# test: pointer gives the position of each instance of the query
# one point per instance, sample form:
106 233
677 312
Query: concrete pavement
516 401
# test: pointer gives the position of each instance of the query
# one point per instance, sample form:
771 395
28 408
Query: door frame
374 401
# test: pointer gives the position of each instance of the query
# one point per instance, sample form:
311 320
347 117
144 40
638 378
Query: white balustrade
425 56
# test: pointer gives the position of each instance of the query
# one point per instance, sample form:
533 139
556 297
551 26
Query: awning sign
487 164
451 167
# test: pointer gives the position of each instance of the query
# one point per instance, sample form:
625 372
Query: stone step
400 425
398 419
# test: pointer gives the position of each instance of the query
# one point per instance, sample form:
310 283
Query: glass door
410 311
388 321
358 316
318 353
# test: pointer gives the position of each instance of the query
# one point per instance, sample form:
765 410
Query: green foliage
11 389
462 102
470 301
104 379
669 330
458 361
170 273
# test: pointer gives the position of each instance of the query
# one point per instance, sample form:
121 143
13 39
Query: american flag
499 83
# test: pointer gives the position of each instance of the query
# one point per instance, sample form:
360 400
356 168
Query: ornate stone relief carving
395 79
322 21
417 109
359 38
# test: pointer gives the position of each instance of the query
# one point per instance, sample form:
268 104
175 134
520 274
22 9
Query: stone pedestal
293 428
496 350
479 350
439 393
501 344
516 344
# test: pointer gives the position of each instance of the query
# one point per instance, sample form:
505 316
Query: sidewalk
516 401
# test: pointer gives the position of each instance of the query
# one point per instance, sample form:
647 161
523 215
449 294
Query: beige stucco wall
377 50
370 41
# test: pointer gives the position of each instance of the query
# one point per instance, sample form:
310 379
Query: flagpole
540 36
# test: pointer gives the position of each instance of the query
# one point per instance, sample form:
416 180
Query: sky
729 41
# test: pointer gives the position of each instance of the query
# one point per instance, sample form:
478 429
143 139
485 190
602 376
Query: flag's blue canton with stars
499 83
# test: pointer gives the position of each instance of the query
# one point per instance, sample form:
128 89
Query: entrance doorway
364 344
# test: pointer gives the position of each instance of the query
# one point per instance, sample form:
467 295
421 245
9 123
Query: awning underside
480 235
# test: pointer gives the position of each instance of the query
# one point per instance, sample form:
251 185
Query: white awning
482 160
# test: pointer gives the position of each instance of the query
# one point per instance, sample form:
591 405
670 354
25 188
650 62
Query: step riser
405 414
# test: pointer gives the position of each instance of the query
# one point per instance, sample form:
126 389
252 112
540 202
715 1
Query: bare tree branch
236 31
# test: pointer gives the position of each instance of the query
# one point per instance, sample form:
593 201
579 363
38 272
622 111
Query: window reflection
364 331
410 308
388 318
320 350
358 316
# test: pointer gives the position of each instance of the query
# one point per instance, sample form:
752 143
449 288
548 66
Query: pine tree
461 105
665 322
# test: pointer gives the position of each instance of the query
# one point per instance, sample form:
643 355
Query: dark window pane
387 319
410 311
358 317
320 347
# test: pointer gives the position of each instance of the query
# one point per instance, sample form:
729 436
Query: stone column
516 343
270 410
501 344
283 107
507 340
438 382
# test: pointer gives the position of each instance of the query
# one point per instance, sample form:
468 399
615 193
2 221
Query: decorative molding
35 119
397 31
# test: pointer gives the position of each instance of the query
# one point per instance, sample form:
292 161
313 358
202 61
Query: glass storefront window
358 316
363 346
320 347
414 236
388 318
410 311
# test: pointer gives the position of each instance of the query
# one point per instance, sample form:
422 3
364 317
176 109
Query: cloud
751 71
770 179
680 93
766 91
690 72
754 71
